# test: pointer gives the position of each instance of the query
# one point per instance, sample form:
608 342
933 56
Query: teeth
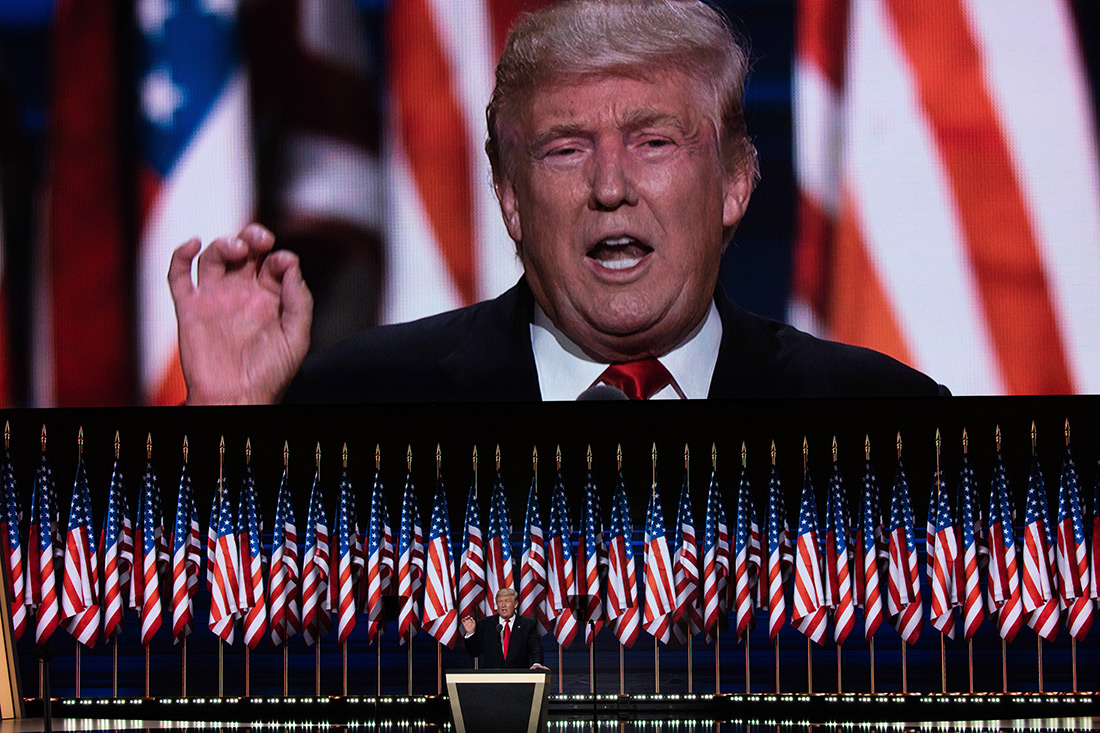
618 241
620 264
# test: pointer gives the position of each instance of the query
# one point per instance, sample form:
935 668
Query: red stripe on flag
822 30
433 131
1001 243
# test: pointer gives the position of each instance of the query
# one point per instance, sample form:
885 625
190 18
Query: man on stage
505 640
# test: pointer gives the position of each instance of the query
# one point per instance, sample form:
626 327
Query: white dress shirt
565 371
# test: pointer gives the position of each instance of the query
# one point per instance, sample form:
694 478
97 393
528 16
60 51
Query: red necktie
639 380
505 636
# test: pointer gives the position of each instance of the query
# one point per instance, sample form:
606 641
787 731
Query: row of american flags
573 579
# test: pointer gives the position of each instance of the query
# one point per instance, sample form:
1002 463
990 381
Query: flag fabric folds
379 552
622 578
837 574
717 572
660 591
343 574
42 588
533 601
561 582
250 574
870 547
13 548
1004 577
440 609
145 588
116 562
780 556
591 559
903 594
498 549
809 613
283 576
969 525
316 607
687 618
1072 554
1038 593
471 564
944 552
80 580
185 559
225 592
410 564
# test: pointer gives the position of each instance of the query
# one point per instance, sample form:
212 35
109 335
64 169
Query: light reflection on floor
1052 725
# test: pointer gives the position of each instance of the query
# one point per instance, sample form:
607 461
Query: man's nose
612 184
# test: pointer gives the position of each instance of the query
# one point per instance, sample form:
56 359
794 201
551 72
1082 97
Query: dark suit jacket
483 353
524 644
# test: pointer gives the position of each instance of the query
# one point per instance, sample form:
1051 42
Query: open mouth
619 253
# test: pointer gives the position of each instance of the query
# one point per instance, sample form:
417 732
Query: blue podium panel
500 700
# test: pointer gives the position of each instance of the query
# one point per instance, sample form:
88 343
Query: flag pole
904 669
221 641
317 639
809 647
1039 644
839 676
409 642
286 605
1073 657
622 686
1004 665
939 488
777 664
871 643
378 662
559 669
344 643
183 644
41 662
656 649
970 662
79 457
114 667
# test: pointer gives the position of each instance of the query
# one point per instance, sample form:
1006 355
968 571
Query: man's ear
738 192
509 207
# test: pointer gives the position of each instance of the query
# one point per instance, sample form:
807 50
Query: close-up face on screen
222 203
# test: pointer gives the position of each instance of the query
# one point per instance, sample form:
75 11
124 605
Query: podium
501 700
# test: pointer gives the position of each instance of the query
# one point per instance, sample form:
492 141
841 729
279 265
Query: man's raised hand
244 326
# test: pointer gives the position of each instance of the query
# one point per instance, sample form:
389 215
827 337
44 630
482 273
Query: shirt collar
564 370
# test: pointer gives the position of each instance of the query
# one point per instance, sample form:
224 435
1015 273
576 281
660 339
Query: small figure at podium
505 640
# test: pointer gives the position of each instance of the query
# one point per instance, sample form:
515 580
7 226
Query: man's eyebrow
555 132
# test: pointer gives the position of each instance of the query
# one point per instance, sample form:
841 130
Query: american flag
316 607
185 559
660 592
212 542
969 521
622 577
42 589
13 549
343 583
591 555
881 92
687 618
1095 555
145 590
283 577
410 564
115 564
532 567
903 595
126 546
1039 594
440 610
1004 577
498 550
80 582
194 118
944 551
471 564
379 560
809 615
716 564
561 582
250 575
930 529
837 574
1072 554
869 546
780 556
224 594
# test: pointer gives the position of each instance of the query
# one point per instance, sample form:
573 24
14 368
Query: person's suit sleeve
534 645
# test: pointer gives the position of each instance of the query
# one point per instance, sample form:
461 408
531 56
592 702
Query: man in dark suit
504 640
622 164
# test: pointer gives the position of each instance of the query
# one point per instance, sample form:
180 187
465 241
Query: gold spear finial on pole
834 449
221 467
248 451
966 442
1067 432
7 434
148 446
899 445
317 458
409 458
80 442
653 455
43 438
997 433
438 459
805 456
588 457
866 447
687 464
344 456
535 468
185 447
496 458
557 457
286 454
619 457
939 476
377 457
773 451
1034 437
475 471
118 446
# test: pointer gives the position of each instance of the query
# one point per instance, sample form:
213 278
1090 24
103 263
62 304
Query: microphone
601 392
